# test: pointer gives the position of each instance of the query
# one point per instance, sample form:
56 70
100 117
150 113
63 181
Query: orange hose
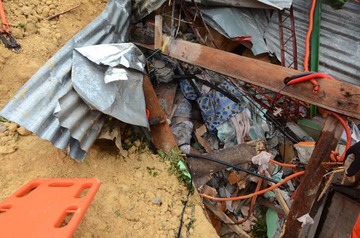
283 165
308 35
253 200
256 193
348 135
307 46
316 86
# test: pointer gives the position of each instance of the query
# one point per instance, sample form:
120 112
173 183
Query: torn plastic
262 159
109 79
305 220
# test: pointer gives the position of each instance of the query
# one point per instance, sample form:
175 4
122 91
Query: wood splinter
63 12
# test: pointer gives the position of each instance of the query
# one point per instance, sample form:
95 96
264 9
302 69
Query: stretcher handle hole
66 217
83 190
4 208
61 184
66 220
27 190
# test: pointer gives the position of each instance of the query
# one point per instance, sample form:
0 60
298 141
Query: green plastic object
272 220
315 46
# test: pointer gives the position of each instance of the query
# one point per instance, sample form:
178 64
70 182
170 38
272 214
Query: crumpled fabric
215 107
305 219
262 159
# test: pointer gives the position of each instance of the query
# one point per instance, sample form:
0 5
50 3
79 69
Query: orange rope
308 35
283 165
348 137
256 193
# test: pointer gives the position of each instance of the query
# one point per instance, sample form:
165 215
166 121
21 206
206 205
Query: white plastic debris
262 160
305 219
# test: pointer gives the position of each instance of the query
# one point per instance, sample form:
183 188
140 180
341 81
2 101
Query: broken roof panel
270 4
339 39
238 22
34 104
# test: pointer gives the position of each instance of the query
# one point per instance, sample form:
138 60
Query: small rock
31 28
124 153
22 131
157 201
7 149
12 127
58 36
159 64
26 10
132 150
52 6
137 143
2 127
17 33
45 11
52 12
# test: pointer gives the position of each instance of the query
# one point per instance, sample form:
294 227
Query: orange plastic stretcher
47 208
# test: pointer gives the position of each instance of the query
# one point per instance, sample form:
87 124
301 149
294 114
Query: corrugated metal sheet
263 4
34 104
339 39
237 22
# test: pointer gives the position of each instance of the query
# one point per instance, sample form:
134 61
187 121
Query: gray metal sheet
108 77
34 104
339 39
264 4
237 22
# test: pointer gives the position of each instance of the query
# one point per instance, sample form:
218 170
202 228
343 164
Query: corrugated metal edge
339 39
34 104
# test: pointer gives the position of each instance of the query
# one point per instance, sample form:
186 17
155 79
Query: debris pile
206 84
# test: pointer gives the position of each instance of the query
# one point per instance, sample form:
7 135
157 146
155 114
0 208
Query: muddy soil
133 201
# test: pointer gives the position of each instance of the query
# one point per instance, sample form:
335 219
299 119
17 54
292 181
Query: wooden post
309 188
158 32
161 134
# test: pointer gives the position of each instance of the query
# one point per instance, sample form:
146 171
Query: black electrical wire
230 165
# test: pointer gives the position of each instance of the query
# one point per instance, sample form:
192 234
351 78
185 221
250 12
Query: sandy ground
124 206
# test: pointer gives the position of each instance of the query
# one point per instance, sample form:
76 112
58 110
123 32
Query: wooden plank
340 217
158 32
161 134
221 215
237 155
309 188
333 94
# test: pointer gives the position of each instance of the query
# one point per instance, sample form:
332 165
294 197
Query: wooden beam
158 32
223 217
161 134
334 95
237 155
309 188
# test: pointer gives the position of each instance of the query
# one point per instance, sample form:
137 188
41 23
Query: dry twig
63 12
